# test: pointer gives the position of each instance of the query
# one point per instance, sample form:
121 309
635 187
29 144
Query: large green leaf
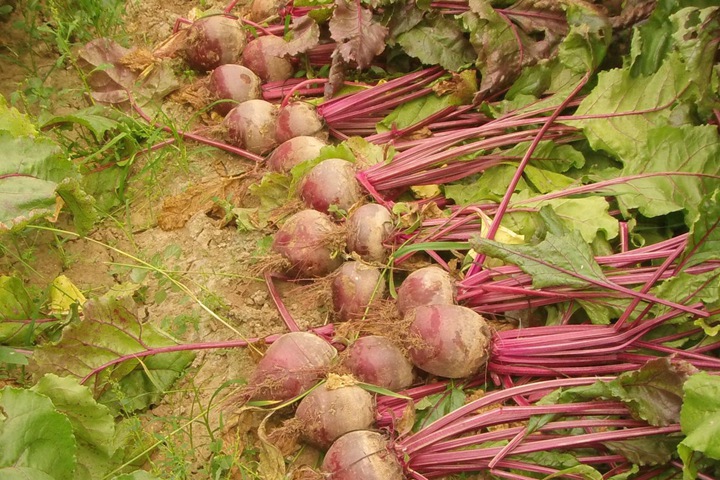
687 149
93 424
33 174
16 313
15 122
438 41
110 330
34 436
704 241
700 415
563 258
617 91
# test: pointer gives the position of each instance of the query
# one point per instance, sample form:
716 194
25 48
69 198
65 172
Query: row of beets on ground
443 339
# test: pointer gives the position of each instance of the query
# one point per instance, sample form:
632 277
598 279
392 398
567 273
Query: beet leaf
360 38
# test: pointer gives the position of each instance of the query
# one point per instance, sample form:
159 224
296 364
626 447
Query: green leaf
491 185
438 41
32 176
704 239
35 436
689 149
15 122
586 471
11 356
617 91
414 111
97 119
563 259
80 204
683 27
93 424
700 415
654 392
588 215
585 45
147 384
432 407
650 450
24 473
16 304
108 331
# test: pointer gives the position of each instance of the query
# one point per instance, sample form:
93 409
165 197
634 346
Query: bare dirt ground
215 261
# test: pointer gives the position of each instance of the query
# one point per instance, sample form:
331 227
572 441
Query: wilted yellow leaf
63 293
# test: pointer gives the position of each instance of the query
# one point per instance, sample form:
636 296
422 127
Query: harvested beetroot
328 413
448 340
298 119
213 41
290 366
306 240
368 228
330 182
251 125
362 455
269 67
233 82
294 151
355 286
425 286
377 360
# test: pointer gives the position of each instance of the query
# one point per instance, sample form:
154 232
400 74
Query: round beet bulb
213 41
306 241
259 56
354 288
299 118
233 82
251 125
330 182
453 340
425 286
293 152
368 227
378 361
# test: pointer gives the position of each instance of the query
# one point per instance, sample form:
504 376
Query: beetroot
354 288
270 68
296 119
233 82
377 360
425 286
368 228
294 151
213 41
291 365
251 125
330 182
328 413
362 455
452 341
305 240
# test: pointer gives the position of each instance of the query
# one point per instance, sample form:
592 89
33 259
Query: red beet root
305 240
454 340
330 182
291 365
213 41
376 360
233 82
368 228
354 288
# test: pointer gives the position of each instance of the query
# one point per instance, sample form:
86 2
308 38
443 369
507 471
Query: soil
217 262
